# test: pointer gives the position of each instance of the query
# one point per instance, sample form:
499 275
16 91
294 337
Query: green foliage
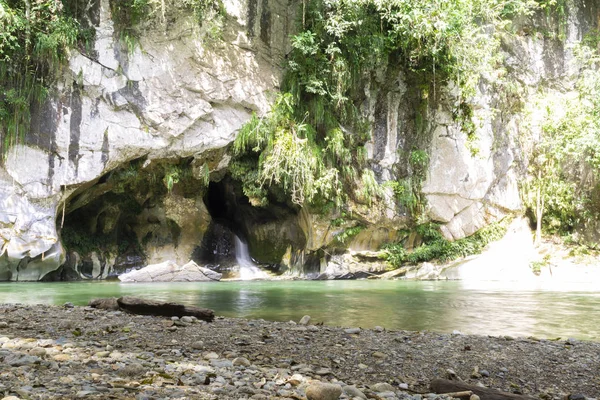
314 137
565 161
77 239
436 247
347 234
130 15
35 37
408 190
278 151
536 266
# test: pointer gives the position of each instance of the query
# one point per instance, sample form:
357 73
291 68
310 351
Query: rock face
171 272
123 152
178 94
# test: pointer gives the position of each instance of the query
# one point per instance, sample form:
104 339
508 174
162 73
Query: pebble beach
72 352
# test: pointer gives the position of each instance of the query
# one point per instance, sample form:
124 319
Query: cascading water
248 270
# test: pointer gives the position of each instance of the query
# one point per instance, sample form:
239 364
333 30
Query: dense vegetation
340 44
434 246
564 187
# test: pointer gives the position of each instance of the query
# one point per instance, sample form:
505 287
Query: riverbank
80 352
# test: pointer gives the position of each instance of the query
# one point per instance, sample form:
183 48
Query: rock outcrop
123 150
178 94
171 272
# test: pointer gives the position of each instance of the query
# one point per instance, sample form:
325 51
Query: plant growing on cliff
340 45
35 37
130 15
282 153
435 247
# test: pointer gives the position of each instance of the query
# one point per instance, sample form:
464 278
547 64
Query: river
487 308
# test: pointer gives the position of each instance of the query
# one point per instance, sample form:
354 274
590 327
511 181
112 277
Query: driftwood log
442 386
136 305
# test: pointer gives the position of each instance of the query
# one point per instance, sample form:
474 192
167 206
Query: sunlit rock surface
178 94
169 271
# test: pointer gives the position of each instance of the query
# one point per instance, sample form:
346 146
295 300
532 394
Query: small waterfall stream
248 270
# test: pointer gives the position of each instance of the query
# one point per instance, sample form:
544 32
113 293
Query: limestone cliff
179 94
173 105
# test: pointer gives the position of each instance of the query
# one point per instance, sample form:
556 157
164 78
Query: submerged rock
168 271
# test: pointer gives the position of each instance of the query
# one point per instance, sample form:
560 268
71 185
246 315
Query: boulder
168 271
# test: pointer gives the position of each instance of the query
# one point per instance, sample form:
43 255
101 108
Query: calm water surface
482 308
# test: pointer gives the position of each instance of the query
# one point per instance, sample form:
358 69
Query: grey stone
352 331
169 271
241 361
353 392
382 387
304 320
198 345
323 391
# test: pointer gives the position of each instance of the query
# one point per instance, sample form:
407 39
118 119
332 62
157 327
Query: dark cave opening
217 250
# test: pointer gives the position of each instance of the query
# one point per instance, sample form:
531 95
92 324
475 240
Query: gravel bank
50 352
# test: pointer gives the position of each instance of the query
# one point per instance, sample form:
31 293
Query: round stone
244 362
198 345
323 391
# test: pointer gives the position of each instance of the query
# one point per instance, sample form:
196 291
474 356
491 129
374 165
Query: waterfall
248 270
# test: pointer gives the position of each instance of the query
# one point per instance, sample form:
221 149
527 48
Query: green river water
482 308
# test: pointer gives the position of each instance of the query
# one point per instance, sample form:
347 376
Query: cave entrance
144 212
216 201
218 248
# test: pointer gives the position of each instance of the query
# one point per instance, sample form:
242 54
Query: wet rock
323 391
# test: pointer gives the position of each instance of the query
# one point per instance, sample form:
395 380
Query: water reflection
497 308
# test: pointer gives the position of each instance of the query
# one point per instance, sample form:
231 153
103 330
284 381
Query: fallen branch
443 386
